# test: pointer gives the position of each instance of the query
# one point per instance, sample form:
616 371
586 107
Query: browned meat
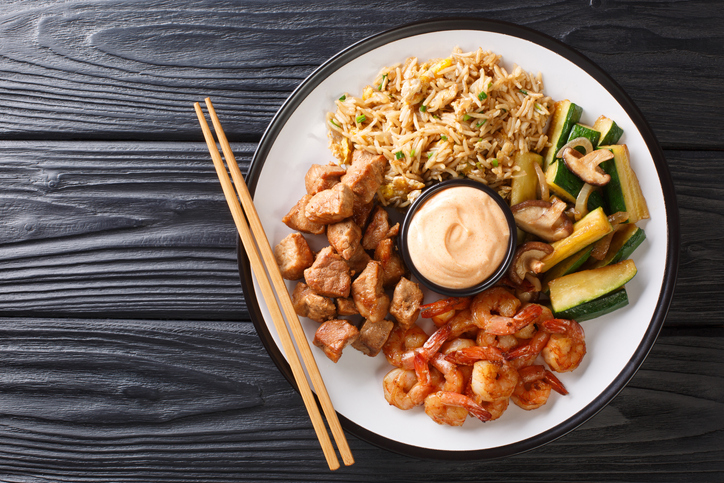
368 294
320 178
345 306
365 175
372 336
296 219
309 304
330 206
345 238
358 261
329 274
378 229
392 265
293 256
361 212
333 336
406 300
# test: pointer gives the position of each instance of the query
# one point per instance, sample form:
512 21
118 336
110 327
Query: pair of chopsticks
254 242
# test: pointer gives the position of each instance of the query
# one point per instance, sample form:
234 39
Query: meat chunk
406 300
330 206
345 306
392 265
297 219
345 237
378 229
307 303
361 211
368 294
329 274
293 256
333 336
372 336
320 178
365 175
358 261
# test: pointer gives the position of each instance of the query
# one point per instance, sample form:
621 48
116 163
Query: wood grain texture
124 229
201 401
128 70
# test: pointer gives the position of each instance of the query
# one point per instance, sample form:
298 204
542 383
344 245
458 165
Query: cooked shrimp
493 380
439 307
566 346
496 408
503 342
471 355
452 408
402 389
496 312
534 387
525 354
454 378
530 330
400 346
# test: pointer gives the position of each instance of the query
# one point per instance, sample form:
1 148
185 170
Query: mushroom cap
546 219
527 259
586 167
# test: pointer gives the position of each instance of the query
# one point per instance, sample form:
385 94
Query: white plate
617 343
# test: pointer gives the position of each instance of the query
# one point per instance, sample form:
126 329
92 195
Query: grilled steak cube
368 294
345 306
378 229
320 178
406 300
329 274
333 336
307 303
365 175
330 206
358 261
372 336
297 219
392 265
345 238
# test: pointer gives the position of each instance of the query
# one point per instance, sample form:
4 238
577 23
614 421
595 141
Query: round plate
617 343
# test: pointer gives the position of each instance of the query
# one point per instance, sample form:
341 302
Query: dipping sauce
458 237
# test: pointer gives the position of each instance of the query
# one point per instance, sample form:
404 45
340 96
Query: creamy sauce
458 237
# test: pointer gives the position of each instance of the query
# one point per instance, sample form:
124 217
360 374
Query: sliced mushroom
545 219
528 259
586 167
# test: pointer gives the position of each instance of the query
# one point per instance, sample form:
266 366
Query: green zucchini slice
583 131
565 115
569 265
577 288
623 192
567 186
624 242
596 307
610 132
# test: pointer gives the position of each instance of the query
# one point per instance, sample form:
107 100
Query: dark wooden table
127 350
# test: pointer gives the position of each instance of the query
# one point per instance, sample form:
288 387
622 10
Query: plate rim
606 81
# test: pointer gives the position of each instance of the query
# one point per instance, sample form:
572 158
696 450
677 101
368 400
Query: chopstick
248 239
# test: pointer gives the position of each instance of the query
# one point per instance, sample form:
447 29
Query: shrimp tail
470 355
444 305
555 383
499 325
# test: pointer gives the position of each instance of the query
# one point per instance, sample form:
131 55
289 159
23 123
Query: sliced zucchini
567 186
610 132
577 288
525 187
596 307
583 131
623 192
565 115
589 229
623 244
569 265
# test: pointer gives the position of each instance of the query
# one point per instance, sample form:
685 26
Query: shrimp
566 346
400 346
442 306
534 387
530 330
525 354
492 377
496 408
508 320
452 408
402 389
454 378
502 342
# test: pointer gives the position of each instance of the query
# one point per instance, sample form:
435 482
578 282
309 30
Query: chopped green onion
481 122
523 91
539 108
361 118
412 153
466 117
436 116
332 121
343 97
482 96
379 87
494 162
443 137
430 154
398 155
423 108
490 85
504 110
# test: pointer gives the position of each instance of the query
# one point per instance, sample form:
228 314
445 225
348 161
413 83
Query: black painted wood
125 347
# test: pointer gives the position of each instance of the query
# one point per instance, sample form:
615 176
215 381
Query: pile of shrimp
484 354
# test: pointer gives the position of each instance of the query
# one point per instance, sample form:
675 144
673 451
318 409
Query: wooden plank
128 229
201 401
128 70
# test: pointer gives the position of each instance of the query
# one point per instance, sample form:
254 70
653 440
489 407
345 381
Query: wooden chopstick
257 235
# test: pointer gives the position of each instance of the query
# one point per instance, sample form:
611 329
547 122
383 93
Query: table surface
127 349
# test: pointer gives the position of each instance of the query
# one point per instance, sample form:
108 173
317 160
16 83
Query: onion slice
542 182
581 208
574 143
